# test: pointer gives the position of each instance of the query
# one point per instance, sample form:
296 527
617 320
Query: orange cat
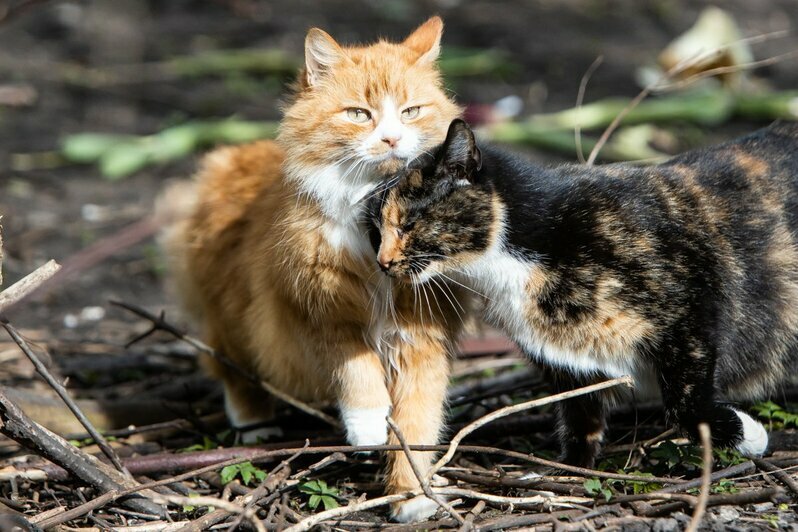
272 259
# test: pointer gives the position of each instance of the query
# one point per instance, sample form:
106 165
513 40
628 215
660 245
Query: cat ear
321 54
426 40
460 152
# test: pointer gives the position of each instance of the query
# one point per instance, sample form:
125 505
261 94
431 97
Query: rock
666 525
726 514
763 507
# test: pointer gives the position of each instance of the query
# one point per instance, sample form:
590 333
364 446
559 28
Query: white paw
365 426
263 433
755 437
417 509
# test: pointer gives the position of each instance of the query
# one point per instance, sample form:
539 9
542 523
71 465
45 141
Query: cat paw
366 426
755 437
416 509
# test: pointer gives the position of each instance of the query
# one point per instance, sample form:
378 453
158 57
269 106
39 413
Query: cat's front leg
418 389
363 398
687 383
581 421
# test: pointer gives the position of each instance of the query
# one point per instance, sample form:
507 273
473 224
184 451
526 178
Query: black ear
460 156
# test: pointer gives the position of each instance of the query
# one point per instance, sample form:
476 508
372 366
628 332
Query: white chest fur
503 280
341 192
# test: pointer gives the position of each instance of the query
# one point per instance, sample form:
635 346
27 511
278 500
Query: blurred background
138 68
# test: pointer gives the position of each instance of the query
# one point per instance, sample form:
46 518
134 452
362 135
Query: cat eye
411 112
358 115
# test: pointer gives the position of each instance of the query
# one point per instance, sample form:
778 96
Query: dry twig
706 477
422 480
508 410
27 284
64 395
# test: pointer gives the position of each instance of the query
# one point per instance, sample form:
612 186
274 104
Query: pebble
71 321
726 514
763 507
92 313
666 525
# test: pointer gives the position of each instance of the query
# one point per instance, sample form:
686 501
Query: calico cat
270 255
683 275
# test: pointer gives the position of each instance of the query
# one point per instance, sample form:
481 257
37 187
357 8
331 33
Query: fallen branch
17 426
249 514
508 410
64 395
780 474
27 284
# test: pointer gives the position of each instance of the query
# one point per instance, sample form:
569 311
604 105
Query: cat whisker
464 286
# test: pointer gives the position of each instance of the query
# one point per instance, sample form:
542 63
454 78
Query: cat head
367 108
440 216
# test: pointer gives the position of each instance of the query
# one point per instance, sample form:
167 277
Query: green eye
411 112
358 115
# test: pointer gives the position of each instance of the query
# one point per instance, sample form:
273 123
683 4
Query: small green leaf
331 502
314 501
592 486
229 473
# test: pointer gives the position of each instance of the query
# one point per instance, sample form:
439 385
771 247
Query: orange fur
282 281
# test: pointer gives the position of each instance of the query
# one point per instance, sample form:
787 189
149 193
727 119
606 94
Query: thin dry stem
508 410
27 284
706 478
420 476
580 98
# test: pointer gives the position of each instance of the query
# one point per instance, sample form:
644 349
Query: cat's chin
390 165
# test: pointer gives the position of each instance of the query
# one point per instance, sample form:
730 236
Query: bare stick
780 474
508 410
64 395
706 478
515 501
27 284
19 427
159 323
580 97
310 522
249 514
420 476
205 461
472 514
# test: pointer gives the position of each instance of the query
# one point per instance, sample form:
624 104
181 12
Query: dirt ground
51 210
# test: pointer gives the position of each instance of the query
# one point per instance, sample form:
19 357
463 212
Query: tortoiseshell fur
683 274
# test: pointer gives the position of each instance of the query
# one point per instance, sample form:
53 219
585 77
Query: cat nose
392 141
385 264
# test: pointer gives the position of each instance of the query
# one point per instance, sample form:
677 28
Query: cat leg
418 390
363 398
687 382
581 421
244 403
